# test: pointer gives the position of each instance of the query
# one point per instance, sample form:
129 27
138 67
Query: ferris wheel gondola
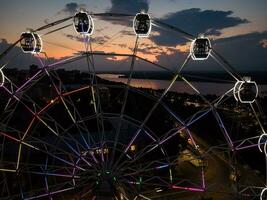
246 91
200 48
83 23
31 42
142 24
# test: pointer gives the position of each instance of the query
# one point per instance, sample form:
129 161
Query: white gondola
83 23
31 42
2 78
246 91
142 24
263 193
200 48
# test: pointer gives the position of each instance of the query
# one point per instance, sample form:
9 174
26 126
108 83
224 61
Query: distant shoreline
216 77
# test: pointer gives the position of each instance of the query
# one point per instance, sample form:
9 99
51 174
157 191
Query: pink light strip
188 188
203 178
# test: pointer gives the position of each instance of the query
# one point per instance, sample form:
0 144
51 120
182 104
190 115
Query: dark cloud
71 8
121 45
126 7
246 38
97 39
129 6
246 53
75 37
3 41
46 21
196 21
128 32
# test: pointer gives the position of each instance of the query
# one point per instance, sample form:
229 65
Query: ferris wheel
104 140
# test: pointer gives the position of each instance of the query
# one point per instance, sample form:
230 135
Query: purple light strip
58 92
53 174
67 162
48 66
8 91
29 80
227 137
173 114
249 146
61 159
193 121
162 166
188 124
203 178
89 164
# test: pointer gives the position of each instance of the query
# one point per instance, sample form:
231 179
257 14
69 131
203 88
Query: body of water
180 86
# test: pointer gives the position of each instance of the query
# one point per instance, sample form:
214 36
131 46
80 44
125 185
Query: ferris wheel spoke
221 98
73 114
63 95
38 149
52 174
223 129
54 131
216 102
73 153
100 119
55 23
225 64
106 14
47 187
170 134
22 142
65 61
39 73
156 105
37 116
195 117
50 193
31 166
257 117
96 101
140 129
216 115
142 153
15 93
154 165
186 35
247 143
58 29
118 128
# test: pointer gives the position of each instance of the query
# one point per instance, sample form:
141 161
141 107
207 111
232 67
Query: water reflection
180 86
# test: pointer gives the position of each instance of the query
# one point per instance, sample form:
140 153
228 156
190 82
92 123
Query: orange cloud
264 43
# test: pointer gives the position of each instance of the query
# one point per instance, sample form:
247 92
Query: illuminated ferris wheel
105 140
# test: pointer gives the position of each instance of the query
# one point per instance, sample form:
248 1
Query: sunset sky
238 30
